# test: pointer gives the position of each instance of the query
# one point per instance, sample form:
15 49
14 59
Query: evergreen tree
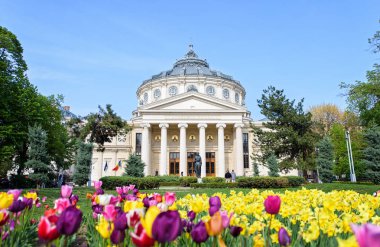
83 163
256 171
371 154
135 167
39 159
325 160
273 166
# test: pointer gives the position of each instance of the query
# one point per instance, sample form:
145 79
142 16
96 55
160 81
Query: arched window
210 90
226 93
157 93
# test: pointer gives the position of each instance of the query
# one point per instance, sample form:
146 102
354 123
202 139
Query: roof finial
191 46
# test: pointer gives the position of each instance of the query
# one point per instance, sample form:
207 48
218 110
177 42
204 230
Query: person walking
233 176
227 176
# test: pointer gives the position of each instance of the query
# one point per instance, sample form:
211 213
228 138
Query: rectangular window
245 150
138 143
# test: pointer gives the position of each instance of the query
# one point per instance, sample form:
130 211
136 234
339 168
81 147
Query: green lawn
85 203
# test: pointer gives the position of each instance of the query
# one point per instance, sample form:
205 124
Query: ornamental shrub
273 166
325 160
186 181
265 182
135 166
295 181
371 154
83 166
166 178
214 185
213 180
111 182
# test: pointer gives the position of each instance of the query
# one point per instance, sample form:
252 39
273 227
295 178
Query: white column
164 144
221 161
182 149
239 149
202 147
145 148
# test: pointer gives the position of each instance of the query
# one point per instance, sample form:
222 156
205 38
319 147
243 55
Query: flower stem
268 233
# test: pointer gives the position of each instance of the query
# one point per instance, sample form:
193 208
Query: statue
198 165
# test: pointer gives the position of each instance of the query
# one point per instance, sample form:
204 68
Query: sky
99 52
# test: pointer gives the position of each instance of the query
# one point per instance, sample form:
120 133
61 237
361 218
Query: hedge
186 181
170 184
165 178
213 180
270 182
295 181
214 185
144 183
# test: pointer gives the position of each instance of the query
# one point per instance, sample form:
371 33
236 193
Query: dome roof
190 64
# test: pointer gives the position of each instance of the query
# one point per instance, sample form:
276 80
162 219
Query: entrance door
174 163
190 164
210 164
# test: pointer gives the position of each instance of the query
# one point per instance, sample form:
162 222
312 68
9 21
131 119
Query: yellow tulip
5 200
32 195
104 227
150 216
131 205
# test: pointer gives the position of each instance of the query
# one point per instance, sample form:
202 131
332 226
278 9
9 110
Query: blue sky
99 52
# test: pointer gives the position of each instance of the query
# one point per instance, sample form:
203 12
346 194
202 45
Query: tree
371 154
273 166
39 159
83 163
326 115
102 126
287 133
375 42
256 171
135 167
325 160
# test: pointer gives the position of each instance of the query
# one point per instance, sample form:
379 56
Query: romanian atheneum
186 110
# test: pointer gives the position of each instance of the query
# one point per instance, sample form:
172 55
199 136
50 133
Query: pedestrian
233 176
227 176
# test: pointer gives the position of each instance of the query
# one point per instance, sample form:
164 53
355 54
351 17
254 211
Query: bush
214 185
21 182
145 183
186 181
169 184
166 178
295 181
213 180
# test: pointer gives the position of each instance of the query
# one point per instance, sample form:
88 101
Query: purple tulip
167 226
100 192
215 202
212 210
117 236
131 197
199 233
17 206
235 231
367 235
191 215
283 237
28 202
120 222
135 191
272 204
16 193
98 209
69 221
74 198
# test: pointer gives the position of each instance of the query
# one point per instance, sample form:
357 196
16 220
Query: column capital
183 125
220 125
145 125
238 125
202 125
163 125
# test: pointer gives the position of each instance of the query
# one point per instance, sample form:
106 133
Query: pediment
192 101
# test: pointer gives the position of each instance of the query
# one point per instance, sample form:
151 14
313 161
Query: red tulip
140 238
272 204
47 229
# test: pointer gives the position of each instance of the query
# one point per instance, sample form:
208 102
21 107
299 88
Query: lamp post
350 159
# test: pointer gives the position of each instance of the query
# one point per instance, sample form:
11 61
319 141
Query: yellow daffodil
350 242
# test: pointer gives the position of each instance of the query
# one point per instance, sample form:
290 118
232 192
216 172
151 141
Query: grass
85 204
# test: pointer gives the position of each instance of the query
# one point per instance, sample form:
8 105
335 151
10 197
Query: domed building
186 110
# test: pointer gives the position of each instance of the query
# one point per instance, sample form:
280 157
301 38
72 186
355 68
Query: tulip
28 202
104 199
146 202
32 195
66 191
99 192
61 204
17 206
272 204
191 215
131 197
125 189
97 184
69 221
133 217
4 216
16 193
367 235
147 221
131 187
119 190
120 222
109 212
235 231
98 209
135 191
104 227
283 237
225 218
167 226
5 200
114 200
169 198
117 236
140 237
212 210
199 233
44 199
215 225
215 202
47 230
74 199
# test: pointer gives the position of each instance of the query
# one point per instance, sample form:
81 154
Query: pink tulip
61 204
15 193
98 184
66 191
125 189
170 198
109 212
225 218
272 204
367 235
38 205
119 190
131 187
44 199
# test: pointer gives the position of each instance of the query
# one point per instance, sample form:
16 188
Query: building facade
186 110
